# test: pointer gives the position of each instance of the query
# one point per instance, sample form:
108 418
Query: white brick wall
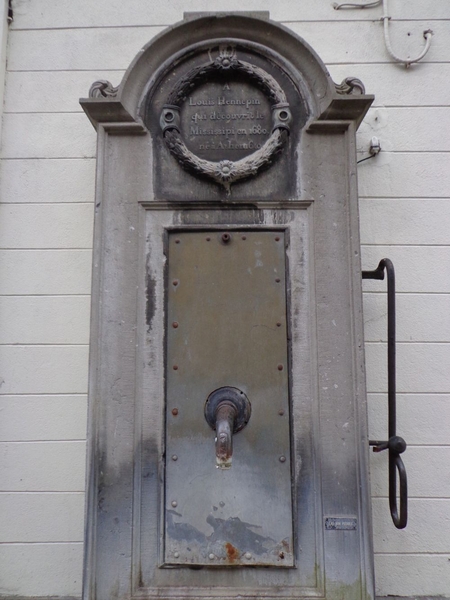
56 50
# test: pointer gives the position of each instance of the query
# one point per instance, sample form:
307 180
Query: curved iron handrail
395 444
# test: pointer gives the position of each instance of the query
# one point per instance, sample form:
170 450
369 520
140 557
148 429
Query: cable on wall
386 18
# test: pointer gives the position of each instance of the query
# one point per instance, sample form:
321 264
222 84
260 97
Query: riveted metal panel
226 326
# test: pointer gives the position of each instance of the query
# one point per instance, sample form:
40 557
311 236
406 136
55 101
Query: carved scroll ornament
103 89
349 85
226 172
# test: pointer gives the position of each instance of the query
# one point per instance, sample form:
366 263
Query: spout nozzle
225 416
227 411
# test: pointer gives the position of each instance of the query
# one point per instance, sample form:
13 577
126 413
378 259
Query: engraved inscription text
226 120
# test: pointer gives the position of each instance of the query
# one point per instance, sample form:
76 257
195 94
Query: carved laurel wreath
225 172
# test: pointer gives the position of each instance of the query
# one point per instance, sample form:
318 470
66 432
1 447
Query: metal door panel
226 326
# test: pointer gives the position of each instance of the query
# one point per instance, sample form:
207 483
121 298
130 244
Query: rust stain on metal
232 552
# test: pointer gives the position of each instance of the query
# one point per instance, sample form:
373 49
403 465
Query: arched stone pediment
178 89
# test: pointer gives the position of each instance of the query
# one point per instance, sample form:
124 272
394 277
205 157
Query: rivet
226 238
174 457
175 367
278 324
282 459
208 239
281 412
280 367
212 557
244 237
278 280
177 241
174 324
277 239
174 503
175 282
176 554
248 555
174 411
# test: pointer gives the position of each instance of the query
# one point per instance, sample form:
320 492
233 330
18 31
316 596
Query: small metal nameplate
341 523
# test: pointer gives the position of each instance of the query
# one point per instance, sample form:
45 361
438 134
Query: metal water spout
227 411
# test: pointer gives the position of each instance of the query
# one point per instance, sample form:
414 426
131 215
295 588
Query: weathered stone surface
177 175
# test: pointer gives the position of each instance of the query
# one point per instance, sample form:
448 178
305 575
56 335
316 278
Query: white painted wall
3 46
56 50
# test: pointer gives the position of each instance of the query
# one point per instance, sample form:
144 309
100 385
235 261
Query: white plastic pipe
407 61
386 18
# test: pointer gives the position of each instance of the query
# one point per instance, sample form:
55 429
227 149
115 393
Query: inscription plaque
341 523
226 119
